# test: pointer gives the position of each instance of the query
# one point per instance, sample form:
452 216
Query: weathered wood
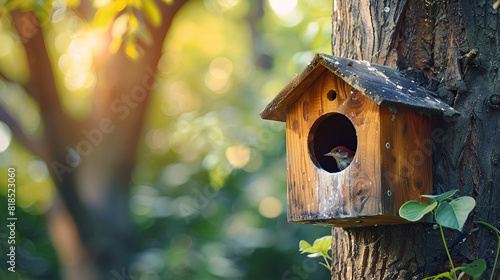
358 195
276 110
382 84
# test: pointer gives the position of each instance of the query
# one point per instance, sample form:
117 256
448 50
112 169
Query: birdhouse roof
382 84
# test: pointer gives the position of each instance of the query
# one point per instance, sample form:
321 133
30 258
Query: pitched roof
382 84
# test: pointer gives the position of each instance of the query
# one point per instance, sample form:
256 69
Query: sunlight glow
38 171
217 78
270 207
6 45
100 3
156 139
30 119
283 7
98 44
76 65
238 155
5 136
228 3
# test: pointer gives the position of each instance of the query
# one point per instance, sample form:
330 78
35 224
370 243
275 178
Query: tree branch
58 127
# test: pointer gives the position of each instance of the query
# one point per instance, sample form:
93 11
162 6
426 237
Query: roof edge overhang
276 109
382 84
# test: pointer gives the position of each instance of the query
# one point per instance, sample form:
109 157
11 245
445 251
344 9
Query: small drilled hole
331 95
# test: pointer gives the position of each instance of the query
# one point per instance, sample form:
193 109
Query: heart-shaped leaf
414 210
440 197
454 214
320 246
475 268
303 245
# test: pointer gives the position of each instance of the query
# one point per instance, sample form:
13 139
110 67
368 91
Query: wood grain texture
313 193
358 195
382 84
406 157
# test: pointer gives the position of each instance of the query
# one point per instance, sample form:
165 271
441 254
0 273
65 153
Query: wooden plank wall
406 157
313 193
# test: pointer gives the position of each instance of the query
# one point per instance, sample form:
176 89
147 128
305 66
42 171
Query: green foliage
448 214
40 8
451 214
455 213
320 248
35 256
414 211
474 269
206 161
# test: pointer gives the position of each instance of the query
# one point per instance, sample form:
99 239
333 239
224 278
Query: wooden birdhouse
376 112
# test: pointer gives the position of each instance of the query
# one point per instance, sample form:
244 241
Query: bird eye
338 150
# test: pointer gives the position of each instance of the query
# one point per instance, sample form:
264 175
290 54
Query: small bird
342 155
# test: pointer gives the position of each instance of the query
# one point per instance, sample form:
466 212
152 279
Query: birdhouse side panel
406 157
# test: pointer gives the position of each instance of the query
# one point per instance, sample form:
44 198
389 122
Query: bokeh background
208 190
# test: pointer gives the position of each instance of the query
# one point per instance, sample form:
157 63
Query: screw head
494 101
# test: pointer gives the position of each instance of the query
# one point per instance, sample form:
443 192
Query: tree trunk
436 42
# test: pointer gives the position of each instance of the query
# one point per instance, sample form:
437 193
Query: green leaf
441 197
303 245
43 10
455 213
475 268
105 15
315 255
153 12
320 246
491 227
131 48
414 210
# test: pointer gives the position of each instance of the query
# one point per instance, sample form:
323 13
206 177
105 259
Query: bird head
340 152
342 155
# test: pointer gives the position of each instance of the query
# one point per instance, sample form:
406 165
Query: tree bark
435 43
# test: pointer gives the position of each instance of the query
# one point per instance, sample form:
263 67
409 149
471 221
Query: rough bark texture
450 47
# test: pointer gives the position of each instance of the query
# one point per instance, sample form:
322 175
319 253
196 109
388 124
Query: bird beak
328 154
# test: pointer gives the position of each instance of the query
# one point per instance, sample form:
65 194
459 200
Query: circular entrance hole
330 131
331 95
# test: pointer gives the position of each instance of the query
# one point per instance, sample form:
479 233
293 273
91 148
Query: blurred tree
192 187
91 159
